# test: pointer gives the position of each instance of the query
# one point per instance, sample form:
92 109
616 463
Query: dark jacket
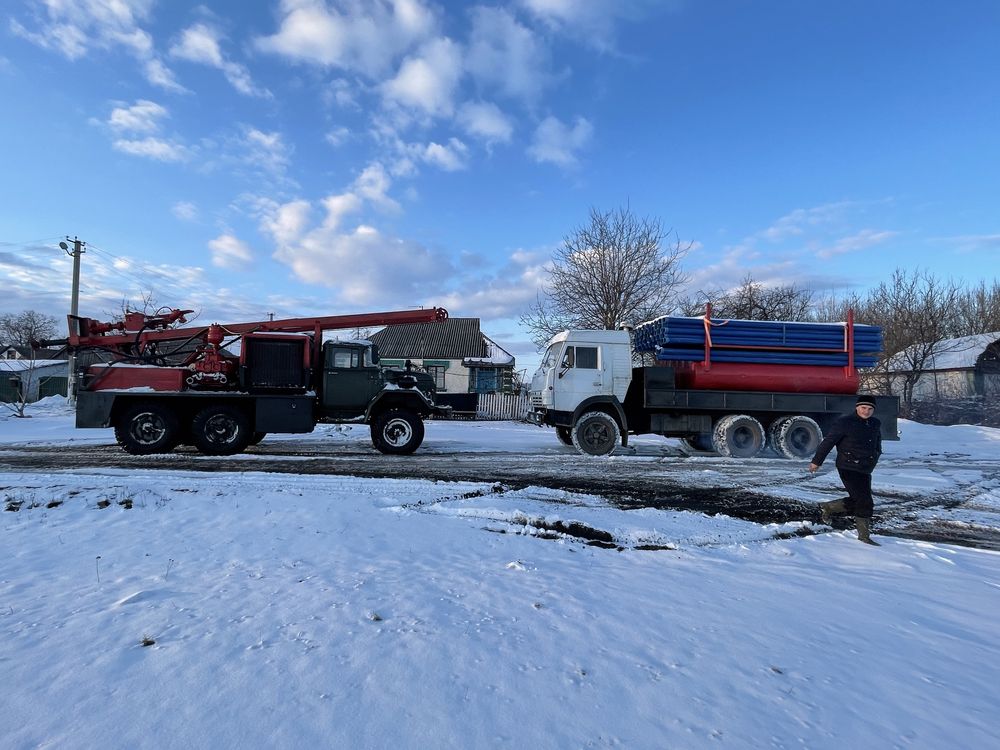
858 441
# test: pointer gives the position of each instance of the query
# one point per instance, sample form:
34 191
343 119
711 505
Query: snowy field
177 609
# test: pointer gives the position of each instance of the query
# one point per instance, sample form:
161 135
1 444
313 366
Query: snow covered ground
323 611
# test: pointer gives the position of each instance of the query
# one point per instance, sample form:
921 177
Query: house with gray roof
455 352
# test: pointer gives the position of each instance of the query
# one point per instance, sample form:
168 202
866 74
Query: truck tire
794 437
738 436
221 430
596 434
397 432
565 435
147 428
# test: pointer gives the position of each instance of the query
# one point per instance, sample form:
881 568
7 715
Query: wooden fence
502 406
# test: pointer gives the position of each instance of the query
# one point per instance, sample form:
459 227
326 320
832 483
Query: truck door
580 376
348 385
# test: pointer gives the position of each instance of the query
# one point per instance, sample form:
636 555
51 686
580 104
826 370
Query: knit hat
865 400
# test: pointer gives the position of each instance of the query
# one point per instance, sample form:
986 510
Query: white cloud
485 120
592 22
152 148
364 265
506 55
971 243
185 211
286 223
337 136
200 44
75 28
504 294
266 152
450 158
364 37
802 220
142 117
859 241
557 143
427 80
160 75
230 253
373 185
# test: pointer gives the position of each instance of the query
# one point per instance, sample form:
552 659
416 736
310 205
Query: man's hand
812 468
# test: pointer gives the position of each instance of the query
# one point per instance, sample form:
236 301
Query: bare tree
618 268
753 300
22 328
916 312
978 310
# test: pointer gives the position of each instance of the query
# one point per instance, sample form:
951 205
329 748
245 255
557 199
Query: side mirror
375 356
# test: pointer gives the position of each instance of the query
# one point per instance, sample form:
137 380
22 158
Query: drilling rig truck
166 385
729 386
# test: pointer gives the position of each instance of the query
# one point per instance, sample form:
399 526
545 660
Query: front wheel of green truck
397 431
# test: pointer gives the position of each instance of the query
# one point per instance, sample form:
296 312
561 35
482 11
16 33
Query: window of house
437 372
484 380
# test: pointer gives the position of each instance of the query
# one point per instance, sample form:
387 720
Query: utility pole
74 310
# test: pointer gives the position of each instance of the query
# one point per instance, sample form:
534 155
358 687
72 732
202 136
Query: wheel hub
397 432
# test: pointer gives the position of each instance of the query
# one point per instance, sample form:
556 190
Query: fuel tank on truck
748 376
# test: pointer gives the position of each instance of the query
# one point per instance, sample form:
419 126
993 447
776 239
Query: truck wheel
596 434
221 430
397 431
147 428
565 435
738 436
794 436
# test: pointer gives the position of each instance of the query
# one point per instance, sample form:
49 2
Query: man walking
858 438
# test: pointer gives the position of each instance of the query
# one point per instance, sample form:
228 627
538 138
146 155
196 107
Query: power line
121 272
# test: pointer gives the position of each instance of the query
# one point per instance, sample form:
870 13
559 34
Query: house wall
953 397
39 381
937 385
457 377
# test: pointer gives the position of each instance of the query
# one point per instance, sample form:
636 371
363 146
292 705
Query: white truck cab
583 371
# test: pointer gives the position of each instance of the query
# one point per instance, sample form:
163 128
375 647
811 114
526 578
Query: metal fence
502 406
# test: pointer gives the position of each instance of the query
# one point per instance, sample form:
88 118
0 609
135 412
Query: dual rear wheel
150 427
742 436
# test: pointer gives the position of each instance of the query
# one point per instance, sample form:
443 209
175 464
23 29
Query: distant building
33 378
958 383
10 351
455 352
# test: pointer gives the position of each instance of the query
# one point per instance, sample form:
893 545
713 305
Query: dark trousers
859 487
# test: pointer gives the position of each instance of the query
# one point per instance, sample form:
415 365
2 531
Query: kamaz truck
588 390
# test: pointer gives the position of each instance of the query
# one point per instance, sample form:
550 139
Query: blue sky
323 156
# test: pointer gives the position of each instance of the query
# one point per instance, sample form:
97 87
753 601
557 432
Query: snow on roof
954 354
20 365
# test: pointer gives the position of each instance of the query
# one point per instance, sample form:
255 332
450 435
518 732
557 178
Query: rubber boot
864 531
828 509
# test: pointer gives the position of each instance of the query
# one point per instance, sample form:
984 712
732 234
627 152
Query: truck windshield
549 360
